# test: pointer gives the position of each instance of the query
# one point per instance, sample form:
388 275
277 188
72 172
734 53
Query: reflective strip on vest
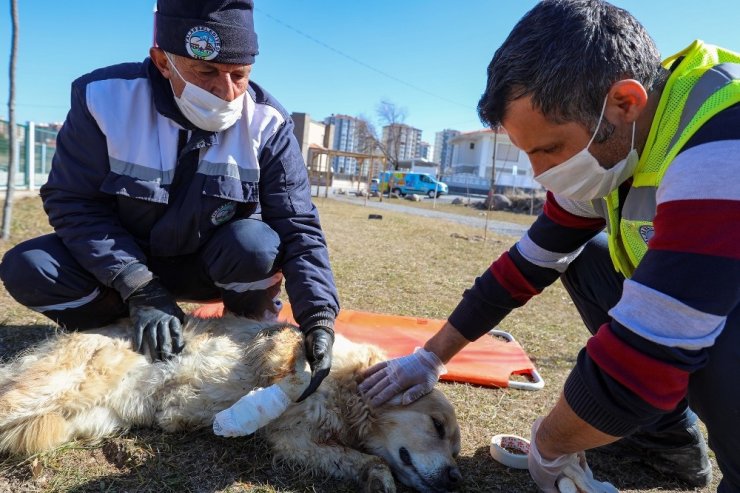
640 204
710 82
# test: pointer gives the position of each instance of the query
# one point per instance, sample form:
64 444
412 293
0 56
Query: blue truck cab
405 182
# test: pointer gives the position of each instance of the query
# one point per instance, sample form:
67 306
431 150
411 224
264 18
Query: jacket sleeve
285 198
553 241
81 215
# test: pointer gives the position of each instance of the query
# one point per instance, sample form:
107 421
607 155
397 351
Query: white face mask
582 177
203 109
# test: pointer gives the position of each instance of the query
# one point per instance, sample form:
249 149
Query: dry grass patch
402 264
464 209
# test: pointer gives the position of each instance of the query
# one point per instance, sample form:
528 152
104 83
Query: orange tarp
489 361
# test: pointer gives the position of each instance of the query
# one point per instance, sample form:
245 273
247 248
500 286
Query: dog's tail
57 392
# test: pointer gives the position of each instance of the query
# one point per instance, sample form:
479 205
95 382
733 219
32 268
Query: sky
324 57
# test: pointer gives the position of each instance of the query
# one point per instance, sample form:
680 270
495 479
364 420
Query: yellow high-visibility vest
705 82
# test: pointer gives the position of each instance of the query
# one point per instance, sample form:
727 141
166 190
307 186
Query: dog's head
419 442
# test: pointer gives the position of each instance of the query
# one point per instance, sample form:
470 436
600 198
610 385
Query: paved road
500 227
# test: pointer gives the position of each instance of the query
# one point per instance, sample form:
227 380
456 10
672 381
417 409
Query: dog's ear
366 419
374 355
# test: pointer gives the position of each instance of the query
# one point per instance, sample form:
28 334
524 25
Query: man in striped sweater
649 151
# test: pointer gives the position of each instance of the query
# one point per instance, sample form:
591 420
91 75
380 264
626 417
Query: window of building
507 152
472 145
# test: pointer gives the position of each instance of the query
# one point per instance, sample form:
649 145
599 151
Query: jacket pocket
139 204
135 188
228 199
230 188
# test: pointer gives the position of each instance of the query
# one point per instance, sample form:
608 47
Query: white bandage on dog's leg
251 412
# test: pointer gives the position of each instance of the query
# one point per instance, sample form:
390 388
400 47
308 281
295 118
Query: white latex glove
550 475
251 412
412 376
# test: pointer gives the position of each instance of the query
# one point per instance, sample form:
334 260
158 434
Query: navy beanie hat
218 30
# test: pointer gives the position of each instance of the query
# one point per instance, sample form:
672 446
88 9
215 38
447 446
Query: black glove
318 341
157 321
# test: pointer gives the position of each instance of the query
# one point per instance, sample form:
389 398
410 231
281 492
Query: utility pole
12 144
492 189
493 163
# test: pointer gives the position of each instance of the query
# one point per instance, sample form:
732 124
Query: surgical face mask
203 109
582 177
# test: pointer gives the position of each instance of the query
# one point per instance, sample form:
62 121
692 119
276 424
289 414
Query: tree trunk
12 144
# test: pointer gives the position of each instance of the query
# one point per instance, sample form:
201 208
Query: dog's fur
91 384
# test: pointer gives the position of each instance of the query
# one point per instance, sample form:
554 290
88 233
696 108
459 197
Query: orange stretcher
489 361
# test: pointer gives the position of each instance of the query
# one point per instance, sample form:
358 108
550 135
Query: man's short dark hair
565 55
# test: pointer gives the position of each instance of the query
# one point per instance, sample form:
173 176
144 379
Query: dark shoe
681 454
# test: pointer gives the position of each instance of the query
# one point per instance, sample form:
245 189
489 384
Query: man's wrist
131 278
548 453
446 343
320 318
315 328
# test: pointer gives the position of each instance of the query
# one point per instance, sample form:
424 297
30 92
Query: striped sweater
673 308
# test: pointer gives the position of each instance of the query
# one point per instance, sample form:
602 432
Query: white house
473 157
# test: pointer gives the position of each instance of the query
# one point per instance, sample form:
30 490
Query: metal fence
35 147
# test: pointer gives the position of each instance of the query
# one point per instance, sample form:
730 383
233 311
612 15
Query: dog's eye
439 427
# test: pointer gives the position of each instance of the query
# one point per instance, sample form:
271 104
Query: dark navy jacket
114 198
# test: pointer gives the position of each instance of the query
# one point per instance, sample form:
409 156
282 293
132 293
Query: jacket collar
164 98
164 102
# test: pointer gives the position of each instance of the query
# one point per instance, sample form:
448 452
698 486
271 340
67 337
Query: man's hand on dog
319 340
413 376
157 321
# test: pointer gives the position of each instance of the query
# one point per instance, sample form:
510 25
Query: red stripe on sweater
507 274
564 218
708 227
657 383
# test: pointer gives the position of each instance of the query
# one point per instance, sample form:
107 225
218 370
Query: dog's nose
454 477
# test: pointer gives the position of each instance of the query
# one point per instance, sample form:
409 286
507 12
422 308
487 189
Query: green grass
402 264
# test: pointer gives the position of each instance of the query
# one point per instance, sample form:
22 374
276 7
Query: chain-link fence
35 146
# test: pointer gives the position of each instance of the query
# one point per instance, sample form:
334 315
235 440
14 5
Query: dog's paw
377 478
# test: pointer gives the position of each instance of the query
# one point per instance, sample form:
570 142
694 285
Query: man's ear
626 99
160 61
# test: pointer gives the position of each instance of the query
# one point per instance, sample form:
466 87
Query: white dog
89 385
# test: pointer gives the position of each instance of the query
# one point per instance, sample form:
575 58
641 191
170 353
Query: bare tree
391 117
369 143
8 208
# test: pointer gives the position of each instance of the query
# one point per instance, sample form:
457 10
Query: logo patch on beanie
203 43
